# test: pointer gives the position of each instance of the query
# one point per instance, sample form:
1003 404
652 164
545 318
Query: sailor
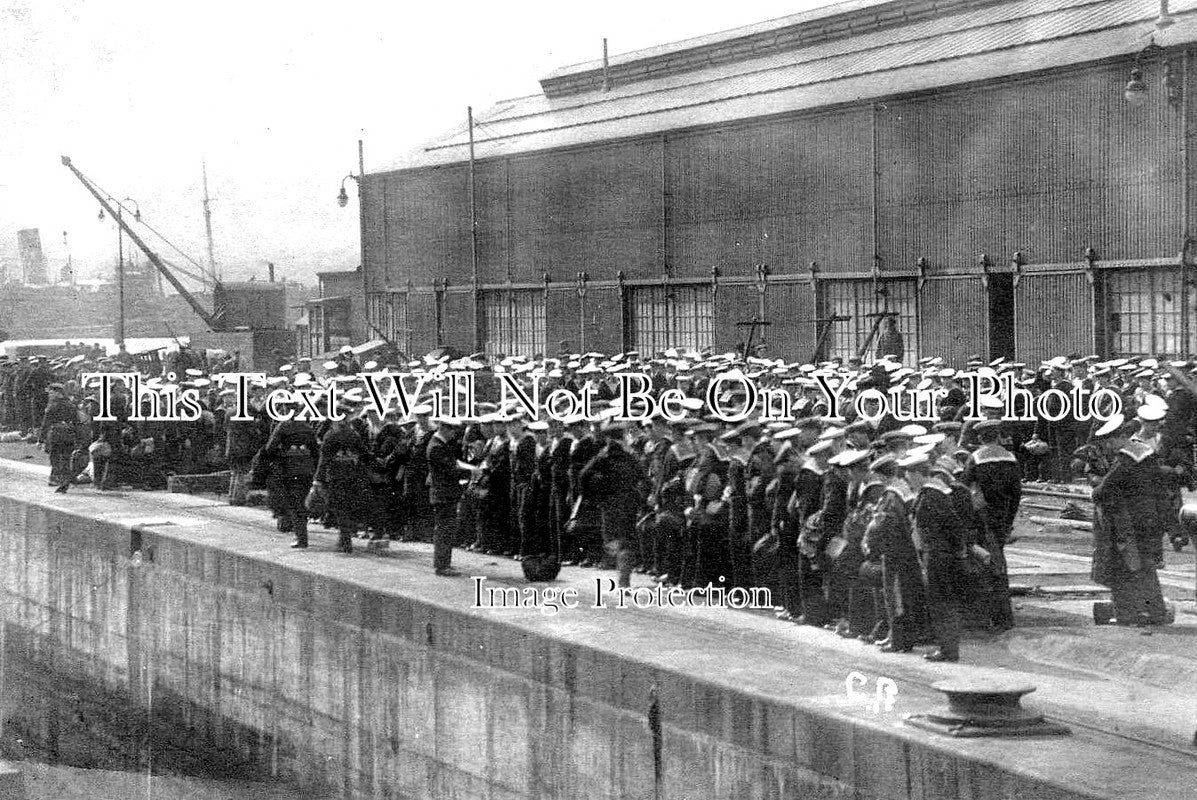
444 490
864 612
289 459
939 535
889 538
342 474
993 474
820 524
1128 528
60 423
615 481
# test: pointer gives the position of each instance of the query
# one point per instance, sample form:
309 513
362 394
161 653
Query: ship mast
208 226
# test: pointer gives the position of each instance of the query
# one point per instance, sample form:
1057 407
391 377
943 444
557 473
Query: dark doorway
1001 315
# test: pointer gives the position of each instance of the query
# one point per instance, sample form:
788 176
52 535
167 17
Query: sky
273 97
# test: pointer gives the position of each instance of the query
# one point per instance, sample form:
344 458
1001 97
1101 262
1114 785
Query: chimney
270 271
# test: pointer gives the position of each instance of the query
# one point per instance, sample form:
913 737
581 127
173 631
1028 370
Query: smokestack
606 68
270 271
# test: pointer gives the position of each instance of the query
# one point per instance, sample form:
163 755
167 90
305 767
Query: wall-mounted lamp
342 197
1136 91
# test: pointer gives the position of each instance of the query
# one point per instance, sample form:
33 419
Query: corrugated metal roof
990 42
723 36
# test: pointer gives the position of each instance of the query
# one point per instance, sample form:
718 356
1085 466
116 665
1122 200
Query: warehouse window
317 341
514 323
1145 308
397 320
377 314
672 316
861 302
387 314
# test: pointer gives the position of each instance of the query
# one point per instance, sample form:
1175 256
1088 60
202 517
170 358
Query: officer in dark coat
444 491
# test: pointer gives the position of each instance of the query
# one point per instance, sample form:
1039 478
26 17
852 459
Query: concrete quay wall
142 644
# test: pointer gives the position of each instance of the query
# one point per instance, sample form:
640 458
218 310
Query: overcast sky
274 95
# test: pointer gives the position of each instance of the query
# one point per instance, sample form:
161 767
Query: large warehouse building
1009 178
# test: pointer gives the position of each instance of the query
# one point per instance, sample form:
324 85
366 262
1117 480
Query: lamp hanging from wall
1136 92
1136 88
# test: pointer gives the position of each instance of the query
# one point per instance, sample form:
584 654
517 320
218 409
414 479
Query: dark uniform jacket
995 473
444 476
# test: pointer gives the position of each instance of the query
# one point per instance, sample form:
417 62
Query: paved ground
1133 685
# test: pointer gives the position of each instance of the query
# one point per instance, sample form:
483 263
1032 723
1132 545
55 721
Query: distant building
337 316
33 260
989 171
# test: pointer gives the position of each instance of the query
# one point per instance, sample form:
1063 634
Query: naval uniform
1128 535
939 535
995 475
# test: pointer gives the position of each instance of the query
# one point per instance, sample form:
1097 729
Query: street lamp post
120 266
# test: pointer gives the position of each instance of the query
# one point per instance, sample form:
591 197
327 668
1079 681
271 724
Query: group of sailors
890 532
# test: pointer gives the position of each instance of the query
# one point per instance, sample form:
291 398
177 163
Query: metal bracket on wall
714 282
583 277
814 287
1090 264
922 264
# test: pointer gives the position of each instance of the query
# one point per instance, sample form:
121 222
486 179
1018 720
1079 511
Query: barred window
387 314
860 301
513 323
377 314
1145 308
672 316
317 341
396 327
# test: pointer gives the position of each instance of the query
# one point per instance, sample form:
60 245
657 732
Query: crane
213 322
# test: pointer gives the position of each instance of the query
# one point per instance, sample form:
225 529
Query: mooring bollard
977 707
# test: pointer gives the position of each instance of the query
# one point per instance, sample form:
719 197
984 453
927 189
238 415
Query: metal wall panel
430 237
373 210
734 304
421 316
597 210
458 319
1053 316
561 320
790 309
953 319
1046 166
494 256
778 192
602 329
